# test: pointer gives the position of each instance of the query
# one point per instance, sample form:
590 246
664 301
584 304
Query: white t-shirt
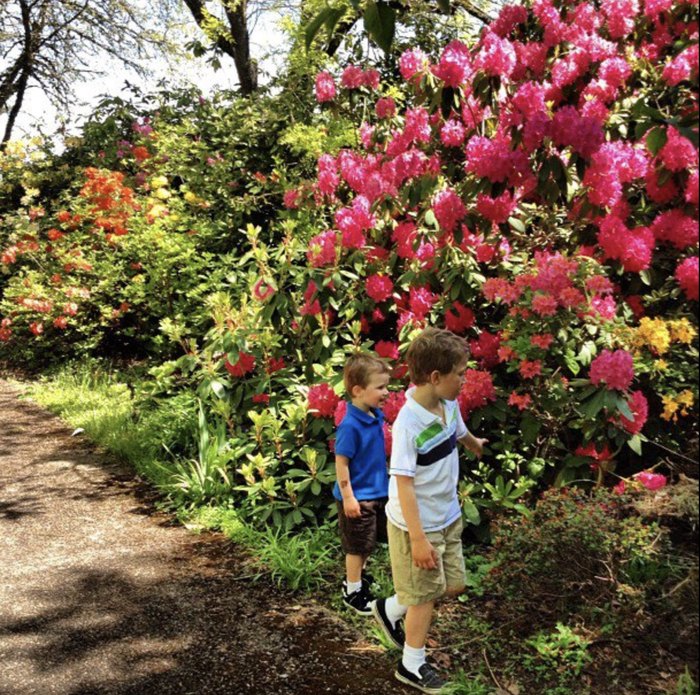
425 449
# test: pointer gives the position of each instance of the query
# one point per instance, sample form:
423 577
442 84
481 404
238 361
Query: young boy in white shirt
423 512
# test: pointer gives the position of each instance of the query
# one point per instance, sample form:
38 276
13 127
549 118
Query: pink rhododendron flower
322 401
651 481
639 407
340 411
496 210
678 153
675 227
385 108
404 236
244 365
452 133
352 77
508 18
660 194
322 249
496 56
620 488
691 189
379 288
325 87
683 67
454 67
614 368
449 209
421 301
688 276
620 15
291 199
412 63
393 405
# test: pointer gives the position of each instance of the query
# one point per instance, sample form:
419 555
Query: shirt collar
423 414
364 417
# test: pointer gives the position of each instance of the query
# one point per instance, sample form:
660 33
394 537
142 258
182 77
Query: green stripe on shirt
427 434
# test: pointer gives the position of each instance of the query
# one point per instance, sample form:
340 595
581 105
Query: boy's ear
435 377
355 391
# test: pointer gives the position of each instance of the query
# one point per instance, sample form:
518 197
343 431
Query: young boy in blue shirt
424 514
362 485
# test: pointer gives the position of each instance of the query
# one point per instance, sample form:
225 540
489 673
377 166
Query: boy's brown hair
360 367
435 349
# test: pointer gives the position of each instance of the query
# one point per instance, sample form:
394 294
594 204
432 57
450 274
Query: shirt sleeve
462 430
347 441
403 452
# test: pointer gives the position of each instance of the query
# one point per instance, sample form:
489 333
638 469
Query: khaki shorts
415 586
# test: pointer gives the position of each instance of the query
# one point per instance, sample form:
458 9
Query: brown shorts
359 536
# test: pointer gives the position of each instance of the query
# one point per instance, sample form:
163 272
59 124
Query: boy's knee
454 591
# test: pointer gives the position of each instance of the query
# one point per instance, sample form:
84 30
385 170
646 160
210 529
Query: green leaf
635 443
530 428
314 26
380 23
594 405
656 139
516 224
623 408
471 513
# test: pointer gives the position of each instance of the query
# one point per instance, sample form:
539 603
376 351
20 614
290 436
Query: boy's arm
351 506
424 555
474 444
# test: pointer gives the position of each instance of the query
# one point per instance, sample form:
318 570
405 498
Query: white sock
394 610
352 587
413 659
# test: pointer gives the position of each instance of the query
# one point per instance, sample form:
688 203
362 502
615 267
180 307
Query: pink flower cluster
688 277
379 288
633 248
615 368
639 406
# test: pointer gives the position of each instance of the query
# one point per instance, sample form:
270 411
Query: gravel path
101 594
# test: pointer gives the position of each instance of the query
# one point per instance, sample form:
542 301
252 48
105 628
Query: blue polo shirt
360 437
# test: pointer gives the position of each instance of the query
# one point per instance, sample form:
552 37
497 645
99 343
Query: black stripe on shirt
437 453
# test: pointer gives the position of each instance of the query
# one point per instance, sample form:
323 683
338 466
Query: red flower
387 349
244 365
459 318
322 401
275 364
261 398
520 401
530 368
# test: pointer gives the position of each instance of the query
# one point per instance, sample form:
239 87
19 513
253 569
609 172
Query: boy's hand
424 555
352 509
476 446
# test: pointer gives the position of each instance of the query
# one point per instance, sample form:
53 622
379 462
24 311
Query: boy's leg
418 619
353 569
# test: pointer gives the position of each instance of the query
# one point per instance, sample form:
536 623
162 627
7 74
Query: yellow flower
159 182
670 408
661 365
685 401
191 197
162 193
682 331
654 334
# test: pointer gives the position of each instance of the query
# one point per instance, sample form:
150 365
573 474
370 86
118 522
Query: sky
39 114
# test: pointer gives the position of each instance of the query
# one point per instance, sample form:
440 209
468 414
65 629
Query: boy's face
448 386
374 394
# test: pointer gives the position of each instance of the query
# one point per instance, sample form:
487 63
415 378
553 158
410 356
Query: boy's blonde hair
435 349
360 367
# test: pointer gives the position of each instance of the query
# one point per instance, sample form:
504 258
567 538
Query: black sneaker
359 600
367 581
429 680
394 632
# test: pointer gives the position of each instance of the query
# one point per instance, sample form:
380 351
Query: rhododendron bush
535 191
